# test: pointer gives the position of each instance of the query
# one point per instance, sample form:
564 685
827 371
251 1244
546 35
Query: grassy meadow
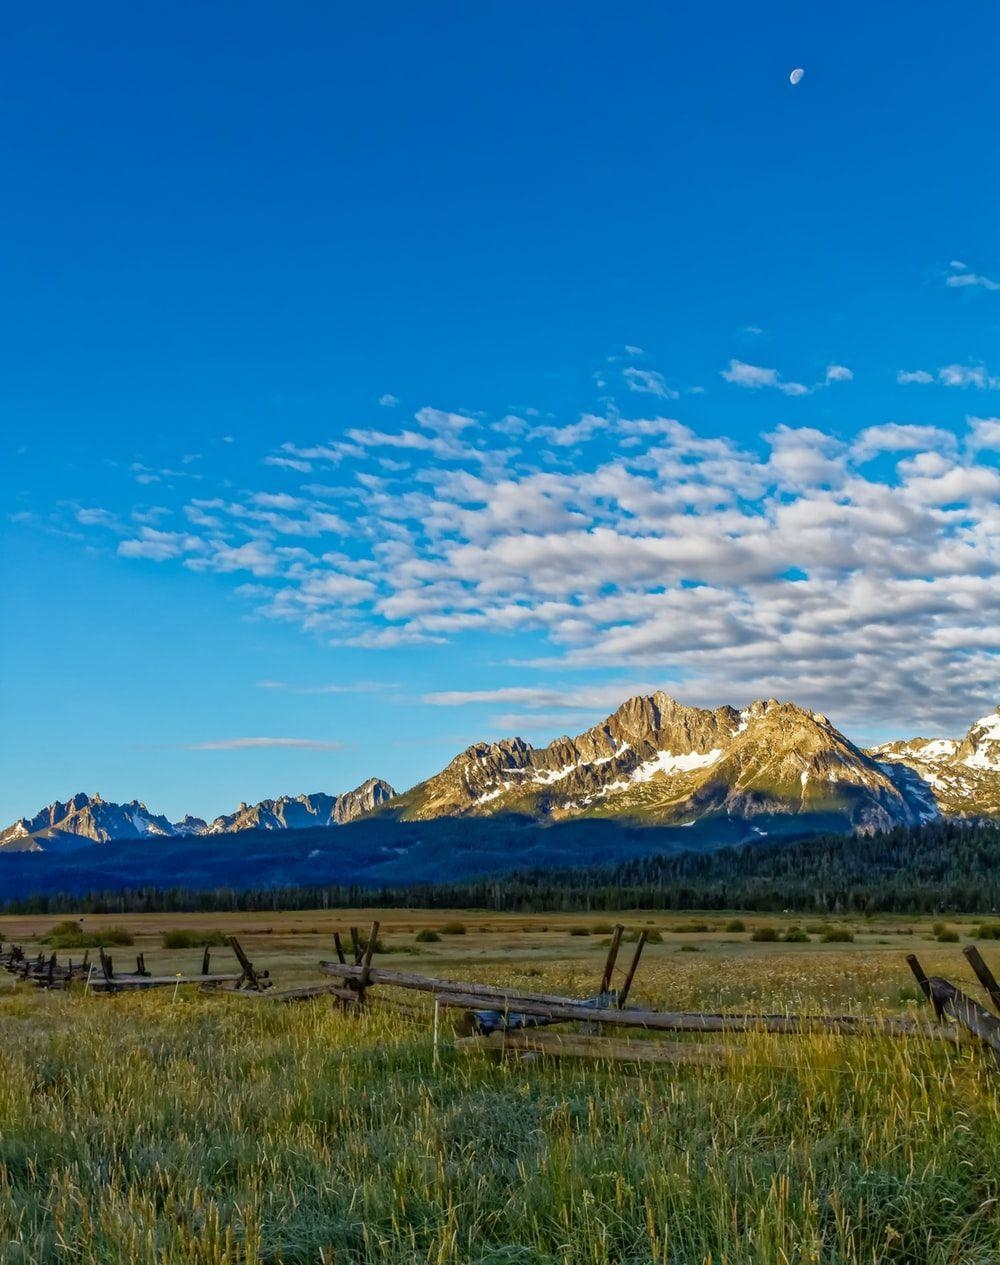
220 1130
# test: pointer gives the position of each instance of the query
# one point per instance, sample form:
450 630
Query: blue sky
381 378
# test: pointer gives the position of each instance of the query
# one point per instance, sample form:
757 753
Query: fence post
921 977
609 964
366 961
983 974
640 944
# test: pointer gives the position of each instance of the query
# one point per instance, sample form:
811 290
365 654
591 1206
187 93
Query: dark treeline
949 866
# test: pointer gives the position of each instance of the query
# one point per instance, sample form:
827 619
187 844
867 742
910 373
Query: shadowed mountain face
711 777
961 775
305 810
90 819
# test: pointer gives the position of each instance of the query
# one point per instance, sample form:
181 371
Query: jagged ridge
91 819
652 761
961 775
656 760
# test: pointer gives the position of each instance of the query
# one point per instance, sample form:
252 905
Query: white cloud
961 278
94 517
388 400
967 376
648 382
354 687
288 463
442 422
838 373
984 434
245 744
533 696
159 546
892 437
787 565
256 556
740 374
955 375
575 433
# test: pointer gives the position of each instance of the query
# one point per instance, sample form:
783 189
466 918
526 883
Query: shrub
70 935
735 924
796 935
652 936
579 931
765 935
837 935
601 929
690 948
114 935
453 929
65 935
187 939
816 928
685 928
938 929
427 936
948 936
988 931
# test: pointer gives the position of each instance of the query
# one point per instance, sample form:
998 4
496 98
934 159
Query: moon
796 75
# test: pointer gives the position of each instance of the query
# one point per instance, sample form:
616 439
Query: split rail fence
500 1019
98 975
495 1018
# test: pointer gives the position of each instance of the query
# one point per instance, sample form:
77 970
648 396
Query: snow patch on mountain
668 763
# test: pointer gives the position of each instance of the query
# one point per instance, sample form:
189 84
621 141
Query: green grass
227 1131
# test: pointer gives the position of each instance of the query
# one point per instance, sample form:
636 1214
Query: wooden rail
983 974
466 996
124 982
955 1004
484 993
684 1021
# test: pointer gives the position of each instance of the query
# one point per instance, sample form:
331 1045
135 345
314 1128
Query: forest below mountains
944 867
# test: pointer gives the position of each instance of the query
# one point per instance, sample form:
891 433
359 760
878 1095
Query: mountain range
90 819
769 768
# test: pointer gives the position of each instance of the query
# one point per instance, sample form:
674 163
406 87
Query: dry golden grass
217 1131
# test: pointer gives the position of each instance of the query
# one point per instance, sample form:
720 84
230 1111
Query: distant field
217 1131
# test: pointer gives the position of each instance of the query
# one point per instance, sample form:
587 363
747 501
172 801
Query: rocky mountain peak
960 776
89 818
656 759
980 748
